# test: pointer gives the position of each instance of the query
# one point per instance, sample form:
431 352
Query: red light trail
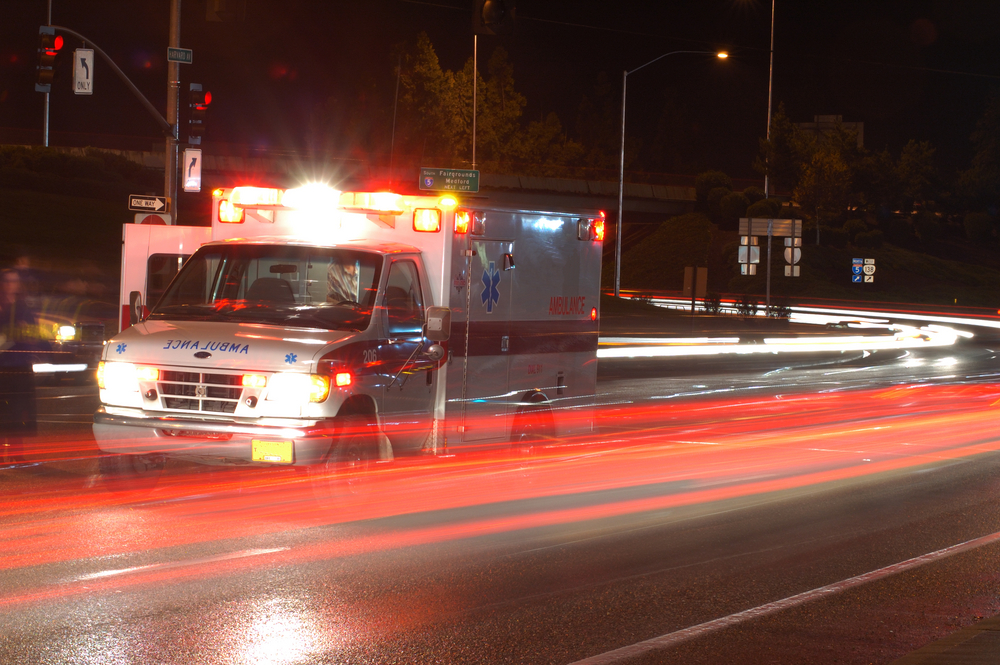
658 457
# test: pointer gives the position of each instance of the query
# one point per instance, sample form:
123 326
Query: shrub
746 306
766 208
978 227
927 227
853 227
713 303
709 180
714 199
869 239
732 206
897 230
833 237
754 194
779 309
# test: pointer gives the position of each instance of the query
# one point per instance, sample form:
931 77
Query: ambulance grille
204 392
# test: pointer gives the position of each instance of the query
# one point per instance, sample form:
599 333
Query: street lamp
722 55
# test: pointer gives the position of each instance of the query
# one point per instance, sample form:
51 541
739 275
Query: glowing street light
721 55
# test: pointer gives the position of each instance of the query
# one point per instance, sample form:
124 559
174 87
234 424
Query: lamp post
770 82
621 171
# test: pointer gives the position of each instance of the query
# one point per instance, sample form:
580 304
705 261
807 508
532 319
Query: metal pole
45 117
770 81
767 298
621 190
621 170
475 80
395 104
173 114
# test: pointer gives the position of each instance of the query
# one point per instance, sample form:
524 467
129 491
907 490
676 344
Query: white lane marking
176 564
676 637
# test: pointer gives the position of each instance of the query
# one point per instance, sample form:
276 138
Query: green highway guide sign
449 180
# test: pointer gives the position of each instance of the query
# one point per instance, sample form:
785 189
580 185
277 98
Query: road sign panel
152 218
793 254
757 226
183 55
869 262
449 180
748 254
83 71
856 270
869 278
191 167
146 203
856 279
869 269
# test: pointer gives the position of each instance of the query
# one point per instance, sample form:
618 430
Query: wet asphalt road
711 490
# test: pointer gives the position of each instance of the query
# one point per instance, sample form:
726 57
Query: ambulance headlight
297 389
118 377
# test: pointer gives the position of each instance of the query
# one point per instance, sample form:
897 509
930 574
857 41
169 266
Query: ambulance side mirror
134 307
437 324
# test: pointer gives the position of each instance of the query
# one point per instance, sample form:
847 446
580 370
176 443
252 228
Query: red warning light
57 43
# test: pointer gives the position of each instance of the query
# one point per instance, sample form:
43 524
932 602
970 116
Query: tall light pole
770 82
621 171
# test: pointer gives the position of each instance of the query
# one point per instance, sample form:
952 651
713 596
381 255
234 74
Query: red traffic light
208 98
57 43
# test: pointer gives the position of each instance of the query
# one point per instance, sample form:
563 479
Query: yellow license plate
278 452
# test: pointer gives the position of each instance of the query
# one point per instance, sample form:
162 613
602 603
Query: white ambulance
311 325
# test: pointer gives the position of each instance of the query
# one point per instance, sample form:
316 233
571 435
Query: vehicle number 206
370 356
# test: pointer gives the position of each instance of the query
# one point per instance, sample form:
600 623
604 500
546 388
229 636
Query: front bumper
132 432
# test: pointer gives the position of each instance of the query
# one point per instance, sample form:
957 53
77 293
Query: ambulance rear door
486 410
151 256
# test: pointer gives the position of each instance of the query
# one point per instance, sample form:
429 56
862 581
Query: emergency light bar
383 202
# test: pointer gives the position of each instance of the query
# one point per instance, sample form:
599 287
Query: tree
824 185
915 172
980 184
437 123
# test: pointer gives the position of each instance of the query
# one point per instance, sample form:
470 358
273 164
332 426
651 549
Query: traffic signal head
198 101
49 44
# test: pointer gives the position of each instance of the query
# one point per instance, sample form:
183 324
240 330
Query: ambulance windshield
275 284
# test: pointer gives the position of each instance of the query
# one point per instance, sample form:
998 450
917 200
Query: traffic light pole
173 113
45 124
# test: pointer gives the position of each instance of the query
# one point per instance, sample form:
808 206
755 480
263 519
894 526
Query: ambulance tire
345 471
533 427
129 475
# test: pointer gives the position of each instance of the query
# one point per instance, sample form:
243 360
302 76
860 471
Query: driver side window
403 301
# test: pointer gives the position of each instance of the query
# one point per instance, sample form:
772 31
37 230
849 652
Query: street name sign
144 203
183 55
449 180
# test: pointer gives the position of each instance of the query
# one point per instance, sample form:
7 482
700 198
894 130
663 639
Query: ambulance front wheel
129 474
347 468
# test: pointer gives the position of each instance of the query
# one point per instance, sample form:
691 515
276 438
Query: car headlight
65 333
117 377
297 388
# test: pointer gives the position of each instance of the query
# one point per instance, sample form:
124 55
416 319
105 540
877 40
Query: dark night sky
868 61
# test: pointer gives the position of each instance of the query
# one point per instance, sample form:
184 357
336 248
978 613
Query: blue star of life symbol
491 280
120 348
291 358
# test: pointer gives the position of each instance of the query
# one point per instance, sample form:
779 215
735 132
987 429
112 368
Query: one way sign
147 203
